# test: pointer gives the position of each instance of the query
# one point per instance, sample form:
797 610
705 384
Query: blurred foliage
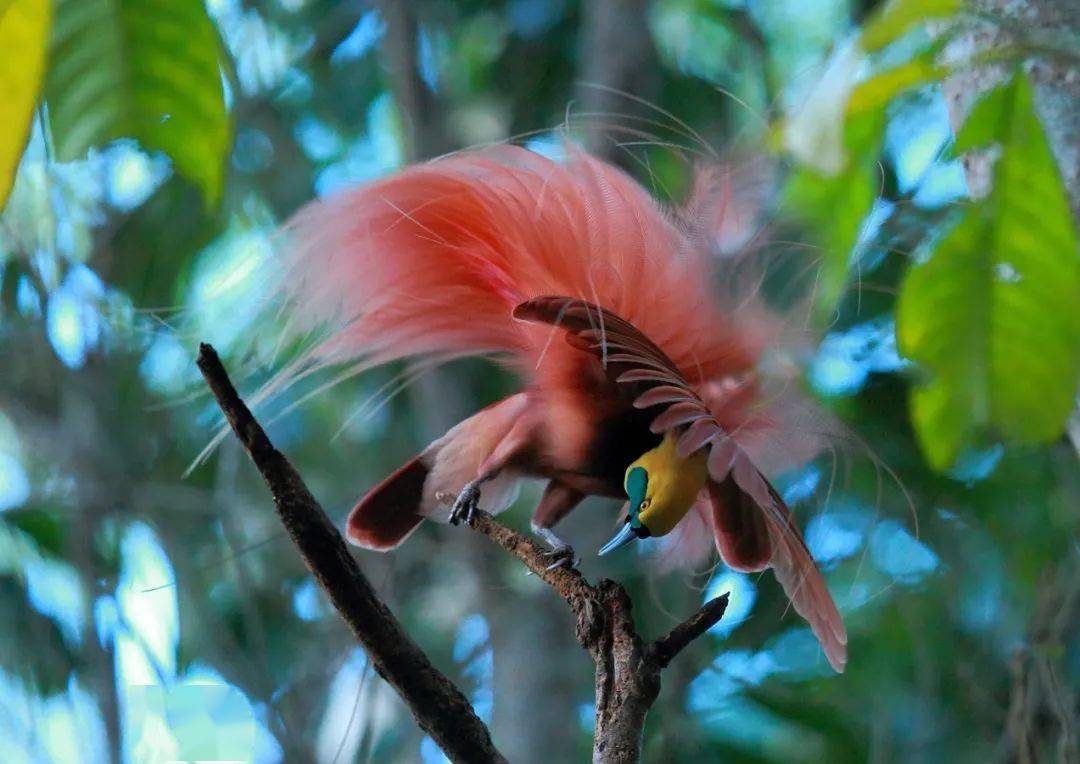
171 142
139 68
898 17
996 302
24 25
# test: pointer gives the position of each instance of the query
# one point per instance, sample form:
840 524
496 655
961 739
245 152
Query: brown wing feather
740 529
390 512
804 585
749 504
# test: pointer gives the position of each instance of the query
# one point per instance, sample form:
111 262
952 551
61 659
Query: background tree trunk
1042 713
616 56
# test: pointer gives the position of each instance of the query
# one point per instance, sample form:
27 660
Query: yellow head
662 487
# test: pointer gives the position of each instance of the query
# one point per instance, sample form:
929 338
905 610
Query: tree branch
1057 88
628 672
438 706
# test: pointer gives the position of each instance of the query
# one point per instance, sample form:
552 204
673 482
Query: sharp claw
565 562
566 558
558 548
465 505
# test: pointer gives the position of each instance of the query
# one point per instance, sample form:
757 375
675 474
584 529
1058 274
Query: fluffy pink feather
431 260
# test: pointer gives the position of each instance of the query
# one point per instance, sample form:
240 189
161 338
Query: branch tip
667 647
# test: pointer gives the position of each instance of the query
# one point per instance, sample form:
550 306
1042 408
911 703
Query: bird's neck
680 481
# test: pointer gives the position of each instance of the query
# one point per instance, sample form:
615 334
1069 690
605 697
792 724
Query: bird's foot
564 557
561 553
467 502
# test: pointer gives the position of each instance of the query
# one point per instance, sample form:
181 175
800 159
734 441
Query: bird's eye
645 505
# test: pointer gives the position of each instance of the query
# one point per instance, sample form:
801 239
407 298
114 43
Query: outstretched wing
630 358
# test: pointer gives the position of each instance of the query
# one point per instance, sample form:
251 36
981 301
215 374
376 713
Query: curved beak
624 536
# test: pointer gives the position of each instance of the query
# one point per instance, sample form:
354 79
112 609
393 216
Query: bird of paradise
637 382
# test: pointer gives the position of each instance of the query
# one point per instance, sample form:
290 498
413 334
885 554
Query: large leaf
148 69
24 29
993 315
161 279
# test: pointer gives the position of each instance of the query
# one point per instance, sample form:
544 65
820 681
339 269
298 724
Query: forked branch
627 669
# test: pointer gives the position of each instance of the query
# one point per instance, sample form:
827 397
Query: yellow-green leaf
24 29
148 69
984 124
993 316
876 93
899 16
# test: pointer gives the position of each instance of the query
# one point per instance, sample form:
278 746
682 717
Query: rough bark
1041 715
426 136
627 669
543 657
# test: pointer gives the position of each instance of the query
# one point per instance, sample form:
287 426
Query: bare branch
568 583
438 706
666 648
425 126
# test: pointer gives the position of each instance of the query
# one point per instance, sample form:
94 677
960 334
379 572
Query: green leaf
986 120
24 29
877 92
812 716
161 279
834 207
898 17
148 69
992 315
